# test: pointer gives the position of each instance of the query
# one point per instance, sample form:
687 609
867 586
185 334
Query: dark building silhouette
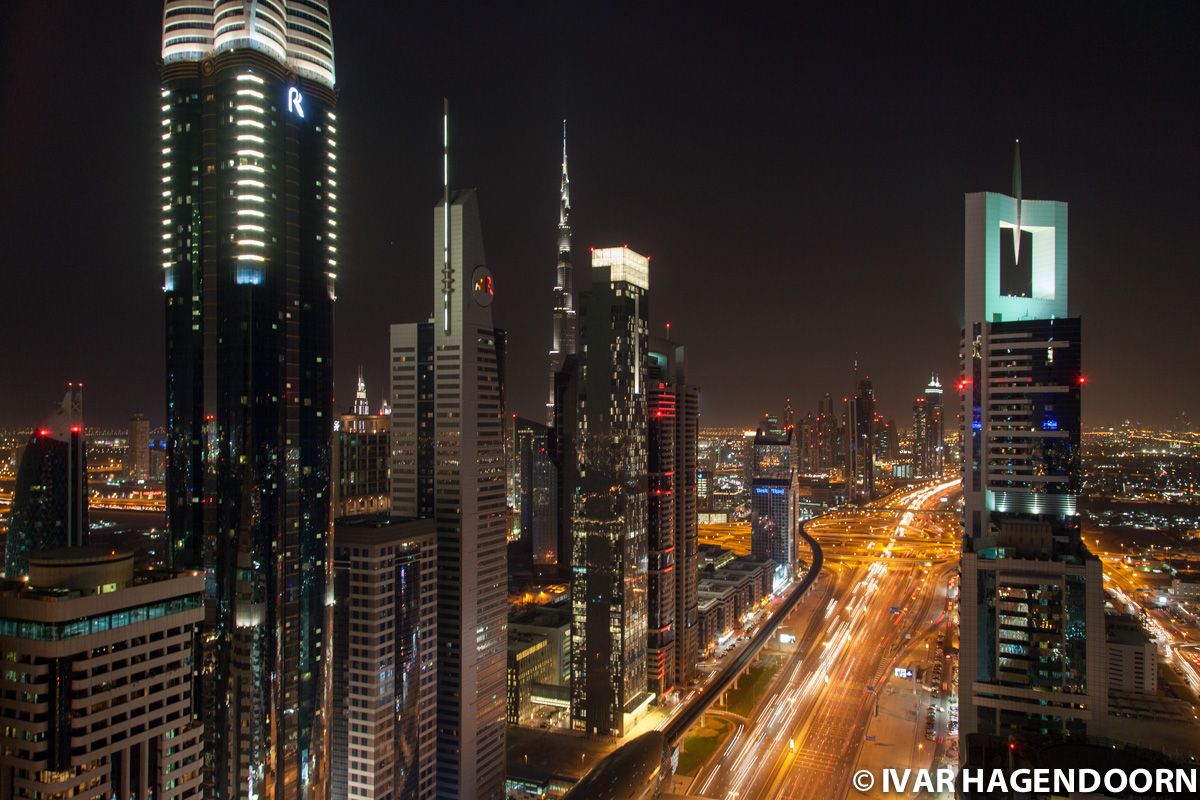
50 507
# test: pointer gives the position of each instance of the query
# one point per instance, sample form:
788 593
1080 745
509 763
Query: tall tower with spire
563 343
447 445
1032 657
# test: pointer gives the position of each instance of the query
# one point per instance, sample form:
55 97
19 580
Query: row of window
59 631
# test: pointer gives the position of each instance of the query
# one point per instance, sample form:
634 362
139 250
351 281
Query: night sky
797 181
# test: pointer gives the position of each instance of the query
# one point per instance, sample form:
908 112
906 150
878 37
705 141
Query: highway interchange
882 588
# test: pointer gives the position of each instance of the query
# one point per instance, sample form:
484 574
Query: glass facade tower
609 579
249 255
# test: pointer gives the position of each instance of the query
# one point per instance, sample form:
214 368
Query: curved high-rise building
249 255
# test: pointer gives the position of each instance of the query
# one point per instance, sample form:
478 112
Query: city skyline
272 592
903 185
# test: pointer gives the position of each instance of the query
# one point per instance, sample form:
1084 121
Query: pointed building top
362 406
564 200
1017 170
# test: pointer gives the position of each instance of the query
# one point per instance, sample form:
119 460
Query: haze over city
797 180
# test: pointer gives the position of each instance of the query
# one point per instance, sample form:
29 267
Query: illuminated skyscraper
859 440
608 526
50 507
249 254
928 447
773 491
448 463
673 416
662 552
1032 663
564 342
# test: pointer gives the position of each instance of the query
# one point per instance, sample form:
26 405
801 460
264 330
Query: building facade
50 500
249 193
609 580
104 656
448 463
384 737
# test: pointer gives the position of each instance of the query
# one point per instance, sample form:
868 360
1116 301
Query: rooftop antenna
1017 194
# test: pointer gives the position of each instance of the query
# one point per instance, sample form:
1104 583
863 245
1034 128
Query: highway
886 567
679 725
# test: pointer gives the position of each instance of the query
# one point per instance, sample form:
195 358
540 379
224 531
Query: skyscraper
249 255
609 519
860 443
674 429
928 447
1032 599
662 552
448 463
537 489
50 506
137 457
773 491
384 734
563 343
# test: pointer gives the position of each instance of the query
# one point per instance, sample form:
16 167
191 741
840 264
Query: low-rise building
1132 656
529 663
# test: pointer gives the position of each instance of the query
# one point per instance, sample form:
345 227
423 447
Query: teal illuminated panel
1009 279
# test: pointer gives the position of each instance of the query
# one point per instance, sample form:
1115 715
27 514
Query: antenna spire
564 200
1017 195
446 276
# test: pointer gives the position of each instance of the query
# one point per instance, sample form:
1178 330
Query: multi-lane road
886 570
